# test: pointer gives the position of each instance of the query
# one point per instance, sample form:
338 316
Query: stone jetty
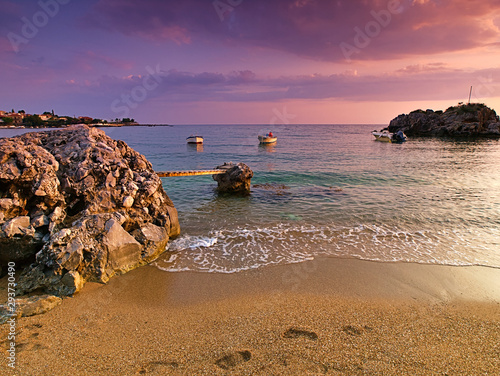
77 206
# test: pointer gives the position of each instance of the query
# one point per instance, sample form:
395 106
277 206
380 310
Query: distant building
2 113
45 117
17 118
85 119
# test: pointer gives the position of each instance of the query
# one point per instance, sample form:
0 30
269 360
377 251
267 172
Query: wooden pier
230 177
168 174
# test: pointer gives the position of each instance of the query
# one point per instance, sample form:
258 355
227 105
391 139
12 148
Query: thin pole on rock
470 94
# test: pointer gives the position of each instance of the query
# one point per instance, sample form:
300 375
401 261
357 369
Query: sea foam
234 250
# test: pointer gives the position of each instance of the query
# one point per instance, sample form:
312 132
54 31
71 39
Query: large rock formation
79 206
463 120
236 179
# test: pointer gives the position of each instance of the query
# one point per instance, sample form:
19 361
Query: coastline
98 126
327 316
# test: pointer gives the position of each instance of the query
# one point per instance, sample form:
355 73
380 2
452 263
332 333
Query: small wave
239 249
192 242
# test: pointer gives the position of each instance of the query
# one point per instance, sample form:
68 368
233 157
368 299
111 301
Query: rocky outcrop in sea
77 206
459 121
236 179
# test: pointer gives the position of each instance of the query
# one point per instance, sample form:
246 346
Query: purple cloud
310 28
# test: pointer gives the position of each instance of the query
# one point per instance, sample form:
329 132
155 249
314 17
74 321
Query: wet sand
329 316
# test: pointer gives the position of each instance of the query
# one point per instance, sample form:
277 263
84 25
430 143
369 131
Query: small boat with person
267 139
194 139
385 136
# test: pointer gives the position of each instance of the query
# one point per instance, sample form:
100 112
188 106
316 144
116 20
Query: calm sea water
327 190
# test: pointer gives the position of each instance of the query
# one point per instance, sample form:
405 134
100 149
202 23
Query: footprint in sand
298 333
232 360
354 330
29 346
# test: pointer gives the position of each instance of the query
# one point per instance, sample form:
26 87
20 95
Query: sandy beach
328 316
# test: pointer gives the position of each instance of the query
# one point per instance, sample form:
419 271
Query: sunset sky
248 61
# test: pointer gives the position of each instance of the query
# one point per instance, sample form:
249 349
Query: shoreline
338 277
92 126
327 316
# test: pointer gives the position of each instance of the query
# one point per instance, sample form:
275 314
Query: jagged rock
89 207
73 281
18 239
16 226
236 179
124 252
459 121
6 204
128 202
150 236
40 220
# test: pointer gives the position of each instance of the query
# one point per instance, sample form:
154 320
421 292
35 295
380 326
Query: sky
248 61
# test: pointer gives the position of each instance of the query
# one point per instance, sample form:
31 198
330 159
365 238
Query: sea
325 191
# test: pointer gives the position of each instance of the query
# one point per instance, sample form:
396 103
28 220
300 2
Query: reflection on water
268 148
195 147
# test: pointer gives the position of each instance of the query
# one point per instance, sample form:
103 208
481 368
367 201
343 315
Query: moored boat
194 139
385 136
382 136
268 138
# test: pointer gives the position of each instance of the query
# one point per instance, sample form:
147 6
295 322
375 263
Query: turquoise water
327 190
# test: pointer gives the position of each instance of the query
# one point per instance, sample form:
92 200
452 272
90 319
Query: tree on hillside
33 121
56 122
7 120
71 120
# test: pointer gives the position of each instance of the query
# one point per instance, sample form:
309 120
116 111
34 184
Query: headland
464 120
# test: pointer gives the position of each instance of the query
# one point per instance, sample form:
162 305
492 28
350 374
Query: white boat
194 139
382 136
268 139
385 136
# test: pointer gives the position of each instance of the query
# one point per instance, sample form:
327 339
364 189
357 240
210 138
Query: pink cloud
176 34
426 68
425 82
